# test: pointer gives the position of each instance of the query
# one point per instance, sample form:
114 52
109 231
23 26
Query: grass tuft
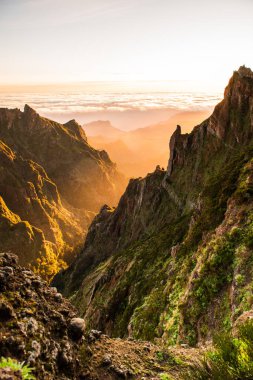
25 371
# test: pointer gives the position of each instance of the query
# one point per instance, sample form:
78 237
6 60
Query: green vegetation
25 371
164 376
231 358
180 267
148 296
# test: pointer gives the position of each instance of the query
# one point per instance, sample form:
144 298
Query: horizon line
3 84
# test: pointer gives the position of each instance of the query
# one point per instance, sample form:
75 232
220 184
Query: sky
63 41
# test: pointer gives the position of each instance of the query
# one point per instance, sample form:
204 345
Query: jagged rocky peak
231 122
244 71
240 83
31 117
76 129
62 149
7 116
29 110
51 183
173 142
231 119
105 156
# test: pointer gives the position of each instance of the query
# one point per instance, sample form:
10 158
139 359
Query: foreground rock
76 328
34 323
42 330
111 359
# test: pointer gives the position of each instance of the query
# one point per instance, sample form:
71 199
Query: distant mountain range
138 152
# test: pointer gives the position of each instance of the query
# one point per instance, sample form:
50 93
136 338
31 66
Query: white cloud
64 102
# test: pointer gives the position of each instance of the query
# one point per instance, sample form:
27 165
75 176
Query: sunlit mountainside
167 261
126 190
173 262
52 182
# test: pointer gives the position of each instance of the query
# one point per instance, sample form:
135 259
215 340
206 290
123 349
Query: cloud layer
64 102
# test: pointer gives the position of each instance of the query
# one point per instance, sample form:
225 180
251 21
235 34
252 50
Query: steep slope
33 221
41 329
173 260
84 176
51 184
35 323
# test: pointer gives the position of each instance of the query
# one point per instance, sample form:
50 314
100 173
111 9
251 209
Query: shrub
164 376
231 359
25 371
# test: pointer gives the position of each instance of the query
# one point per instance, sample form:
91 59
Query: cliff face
51 184
33 221
173 259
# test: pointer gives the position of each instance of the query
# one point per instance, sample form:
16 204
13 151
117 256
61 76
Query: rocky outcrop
232 118
245 72
230 125
130 279
34 323
41 329
174 141
75 129
51 184
34 222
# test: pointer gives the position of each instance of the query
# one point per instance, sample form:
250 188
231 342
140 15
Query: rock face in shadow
52 182
173 259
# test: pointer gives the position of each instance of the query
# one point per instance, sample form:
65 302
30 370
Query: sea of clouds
92 104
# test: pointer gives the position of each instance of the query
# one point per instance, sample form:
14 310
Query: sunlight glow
46 41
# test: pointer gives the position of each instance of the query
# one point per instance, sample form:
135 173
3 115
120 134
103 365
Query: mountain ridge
55 182
136 272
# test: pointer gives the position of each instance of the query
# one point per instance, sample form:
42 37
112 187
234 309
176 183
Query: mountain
42 329
139 151
52 182
83 175
174 259
103 128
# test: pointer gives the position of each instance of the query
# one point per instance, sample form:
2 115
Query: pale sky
44 41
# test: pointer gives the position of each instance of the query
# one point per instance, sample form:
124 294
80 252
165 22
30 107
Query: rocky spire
75 129
231 122
173 142
29 110
246 72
